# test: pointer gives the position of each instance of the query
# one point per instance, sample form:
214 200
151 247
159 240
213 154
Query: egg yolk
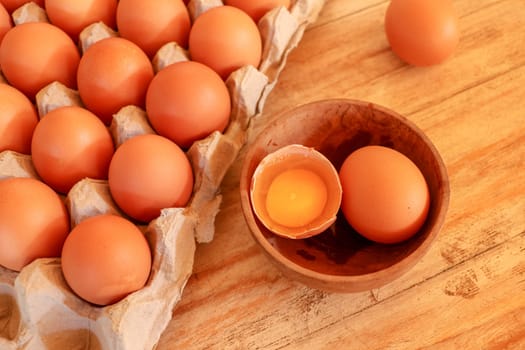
296 197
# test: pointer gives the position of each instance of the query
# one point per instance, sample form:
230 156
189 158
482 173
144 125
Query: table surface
468 292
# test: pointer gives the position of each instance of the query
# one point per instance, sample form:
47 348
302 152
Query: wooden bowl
339 259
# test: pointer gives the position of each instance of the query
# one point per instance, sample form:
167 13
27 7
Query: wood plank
469 290
334 10
367 69
246 311
482 296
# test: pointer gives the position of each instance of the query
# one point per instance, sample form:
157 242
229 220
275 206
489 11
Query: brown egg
385 195
18 119
105 258
257 9
422 33
225 38
191 96
33 222
295 192
73 16
33 55
113 73
69 144
6 22
149 173
151 24
11 5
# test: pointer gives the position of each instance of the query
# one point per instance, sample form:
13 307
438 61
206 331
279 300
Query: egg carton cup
38 310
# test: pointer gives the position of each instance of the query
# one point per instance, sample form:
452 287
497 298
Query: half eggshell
295 156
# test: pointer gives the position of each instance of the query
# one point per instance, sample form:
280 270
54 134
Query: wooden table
468 292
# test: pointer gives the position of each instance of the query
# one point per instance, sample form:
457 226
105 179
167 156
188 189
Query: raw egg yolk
296 197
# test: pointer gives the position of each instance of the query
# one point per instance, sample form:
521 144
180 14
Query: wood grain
468 292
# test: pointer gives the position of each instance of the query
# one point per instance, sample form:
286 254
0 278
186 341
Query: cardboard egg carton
37 308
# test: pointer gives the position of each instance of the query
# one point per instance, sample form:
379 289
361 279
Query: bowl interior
336 128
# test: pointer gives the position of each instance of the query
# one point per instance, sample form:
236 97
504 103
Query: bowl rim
387 273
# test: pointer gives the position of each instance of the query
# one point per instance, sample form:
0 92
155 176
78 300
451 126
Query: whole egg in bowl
339 258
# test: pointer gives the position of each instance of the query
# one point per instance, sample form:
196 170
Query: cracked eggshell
339 259
322 199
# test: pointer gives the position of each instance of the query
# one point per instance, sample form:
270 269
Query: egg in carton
38 310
